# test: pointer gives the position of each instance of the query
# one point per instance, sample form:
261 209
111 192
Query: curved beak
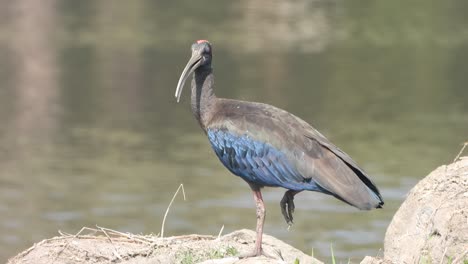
191 66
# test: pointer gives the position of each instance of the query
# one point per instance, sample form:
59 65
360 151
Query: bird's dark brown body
308 151
267 146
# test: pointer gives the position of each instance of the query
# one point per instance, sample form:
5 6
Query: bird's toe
285 210
258 253
287 207
290 210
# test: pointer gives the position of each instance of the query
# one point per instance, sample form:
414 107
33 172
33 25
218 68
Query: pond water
91 133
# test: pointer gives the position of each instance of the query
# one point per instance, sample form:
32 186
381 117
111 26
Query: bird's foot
257 253
287 207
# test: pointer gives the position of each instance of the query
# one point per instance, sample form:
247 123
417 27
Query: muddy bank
431 226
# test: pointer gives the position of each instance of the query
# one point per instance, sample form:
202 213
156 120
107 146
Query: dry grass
461 151
181 186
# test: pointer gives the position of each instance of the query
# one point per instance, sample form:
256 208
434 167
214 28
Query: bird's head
201 57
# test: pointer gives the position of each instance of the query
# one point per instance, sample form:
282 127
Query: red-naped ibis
267 146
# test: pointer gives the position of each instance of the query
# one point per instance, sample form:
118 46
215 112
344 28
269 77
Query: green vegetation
191 256
425 260
231 251
449 260
332 255
188 257
428 260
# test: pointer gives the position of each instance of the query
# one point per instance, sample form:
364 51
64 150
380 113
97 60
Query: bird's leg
287 206
260 221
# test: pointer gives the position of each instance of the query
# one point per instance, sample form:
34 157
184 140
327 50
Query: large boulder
431 226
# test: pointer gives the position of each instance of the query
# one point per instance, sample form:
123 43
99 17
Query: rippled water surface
91 133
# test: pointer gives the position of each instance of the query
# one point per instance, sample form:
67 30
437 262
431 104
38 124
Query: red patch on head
202 41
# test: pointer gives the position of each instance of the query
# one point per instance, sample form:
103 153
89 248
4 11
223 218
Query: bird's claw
287 207
257 253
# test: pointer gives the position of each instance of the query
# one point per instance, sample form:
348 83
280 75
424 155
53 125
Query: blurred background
91 134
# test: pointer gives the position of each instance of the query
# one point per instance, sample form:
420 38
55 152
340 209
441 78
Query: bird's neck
203 98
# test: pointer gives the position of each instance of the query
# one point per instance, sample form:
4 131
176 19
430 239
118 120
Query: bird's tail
334 176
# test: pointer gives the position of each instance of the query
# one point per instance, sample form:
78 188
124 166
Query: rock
431 226
127 248
372 260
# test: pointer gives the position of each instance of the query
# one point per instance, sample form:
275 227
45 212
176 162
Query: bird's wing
254 160
336 171
312 157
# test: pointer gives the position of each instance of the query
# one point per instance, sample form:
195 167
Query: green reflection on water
95 135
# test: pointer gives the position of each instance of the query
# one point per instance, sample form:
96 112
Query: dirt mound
114 247
431 226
